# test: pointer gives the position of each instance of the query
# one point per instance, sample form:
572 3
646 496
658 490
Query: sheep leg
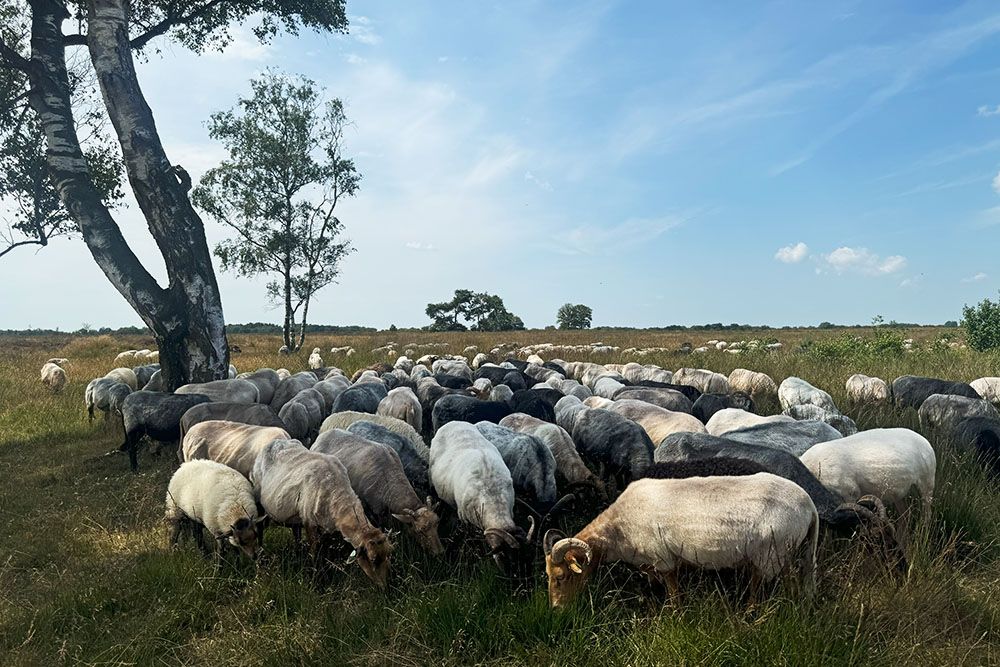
673 586
173 531
199 538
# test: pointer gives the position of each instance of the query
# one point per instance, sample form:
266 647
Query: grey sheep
532 465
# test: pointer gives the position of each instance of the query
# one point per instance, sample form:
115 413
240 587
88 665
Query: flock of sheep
688 475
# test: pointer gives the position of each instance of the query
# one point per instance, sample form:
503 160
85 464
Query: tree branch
18 244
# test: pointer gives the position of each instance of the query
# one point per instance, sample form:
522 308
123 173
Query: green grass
85 576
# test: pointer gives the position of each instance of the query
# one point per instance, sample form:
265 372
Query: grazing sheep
655 421
867 390
718 466
532 465
794 437
479 360
226 391
414 457
980 435
568 411
143 374
363 397
283 374
344 420
230 443
542 374
154 414
733 419
842 423
54 377
910 391
988 388
125 357
884 462
303 415
634 373
796 391
571 471
598 402
125 376
691 393
943 411
456 368
378 478
107 395
704 381
315 360
456 407
206 494
502 394
668 399
469 474
266 380
538 402
708 404
482 388
301 488
612 440
331 389
403 404
156 382
657 525
255 414
288 387
757 385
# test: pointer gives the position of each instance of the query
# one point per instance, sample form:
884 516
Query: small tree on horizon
574 316
982 325
279 189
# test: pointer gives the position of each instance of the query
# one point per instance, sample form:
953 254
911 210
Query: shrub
982 325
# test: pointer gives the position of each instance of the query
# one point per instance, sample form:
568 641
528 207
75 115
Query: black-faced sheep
154 414
467 409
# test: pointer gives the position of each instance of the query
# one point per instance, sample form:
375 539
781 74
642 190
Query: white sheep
988 388
756 385
864 389
214 496
657 422
885 462
315 360
658 525
734 419
125 376
796 391
53 377
707 382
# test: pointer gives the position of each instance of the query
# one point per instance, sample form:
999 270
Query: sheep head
244 534
568 565
373 556
423 523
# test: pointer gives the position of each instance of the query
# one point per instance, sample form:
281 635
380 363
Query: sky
780 163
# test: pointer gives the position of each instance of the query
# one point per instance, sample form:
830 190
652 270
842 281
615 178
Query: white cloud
792 254
531 178
244 46
863 262
442 59
362 31
978 278
996 183
593 239
986 111
417 245
354 59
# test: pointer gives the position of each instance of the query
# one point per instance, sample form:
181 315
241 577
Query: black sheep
143 374
691 392
718 466
452 381
980 435
608 438
708 404
670 399
363 397
539 403
457 407
516 363
910 391
552 366
155 414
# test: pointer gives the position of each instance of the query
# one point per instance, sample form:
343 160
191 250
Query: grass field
85 576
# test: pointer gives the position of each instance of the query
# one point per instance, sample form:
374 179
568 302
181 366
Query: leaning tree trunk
186 317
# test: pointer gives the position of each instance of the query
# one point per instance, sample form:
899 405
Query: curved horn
504 537
551 537
528 507
874 504
531 529
560 548
568 498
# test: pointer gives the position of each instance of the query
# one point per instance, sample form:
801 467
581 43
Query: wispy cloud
361 30
594 239
977 278
987 111
996 183
354 59
792 254
417 245
244 46
861 261
531 178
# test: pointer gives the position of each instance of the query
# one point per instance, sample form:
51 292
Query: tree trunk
302 327
286 330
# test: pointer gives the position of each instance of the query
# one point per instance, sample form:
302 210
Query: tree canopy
480 310
279 189
574 316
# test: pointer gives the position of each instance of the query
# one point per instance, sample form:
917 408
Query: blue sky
663 162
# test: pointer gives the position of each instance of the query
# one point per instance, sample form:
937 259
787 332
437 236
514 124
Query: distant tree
951 323
481 310
279 191
982 325
574 316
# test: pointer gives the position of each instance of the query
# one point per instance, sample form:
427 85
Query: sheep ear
403 518
225 536
573 565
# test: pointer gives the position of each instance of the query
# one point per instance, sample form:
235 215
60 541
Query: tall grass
85 576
